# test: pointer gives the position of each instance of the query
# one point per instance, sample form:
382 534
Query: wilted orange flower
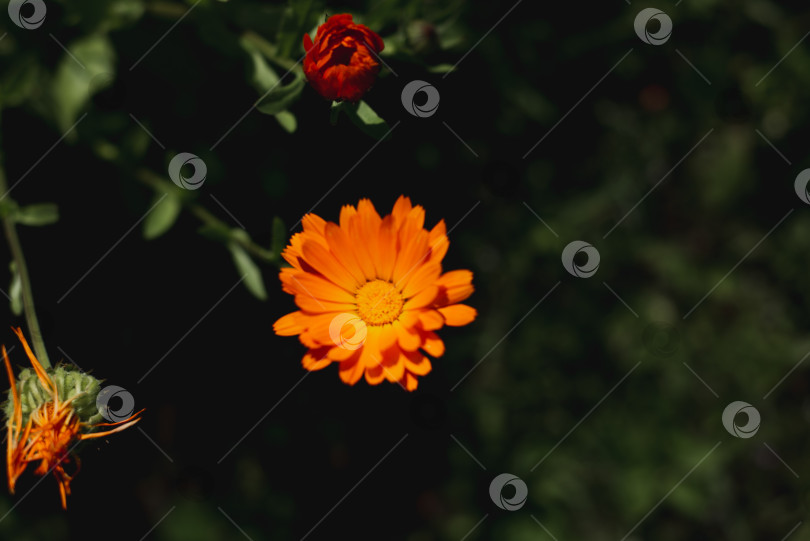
371 293
51 432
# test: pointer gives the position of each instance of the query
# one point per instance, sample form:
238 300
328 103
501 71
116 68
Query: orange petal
310 284
412 253
408 338
416 217
409 319
341 248
316 359
313 223
370 355
367 230
340 354
293 251
438 242
17 420
375 375
315 306
41 374
401 209
388 336
422 299
334 329
431 320
347 213
288 285
409 381
368 214
358 240
289 325
351 370
308 341
458 314
385 255
432 344
325 263
457 285
422 278
393 367
416 363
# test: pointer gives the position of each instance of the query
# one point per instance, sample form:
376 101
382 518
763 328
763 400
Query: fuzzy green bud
71 384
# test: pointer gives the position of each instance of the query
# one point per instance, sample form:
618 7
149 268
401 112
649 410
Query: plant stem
22 269
160 185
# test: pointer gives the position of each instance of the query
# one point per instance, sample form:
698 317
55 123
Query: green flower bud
71 384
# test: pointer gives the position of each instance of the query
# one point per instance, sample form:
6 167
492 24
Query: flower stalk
160 185
10 229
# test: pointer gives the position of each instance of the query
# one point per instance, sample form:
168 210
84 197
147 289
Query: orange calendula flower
44 427
372 294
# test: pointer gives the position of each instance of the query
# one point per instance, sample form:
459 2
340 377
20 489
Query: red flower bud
342 62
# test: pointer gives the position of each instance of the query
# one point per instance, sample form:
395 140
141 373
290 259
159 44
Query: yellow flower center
379 302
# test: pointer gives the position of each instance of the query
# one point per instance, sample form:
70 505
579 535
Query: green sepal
71 384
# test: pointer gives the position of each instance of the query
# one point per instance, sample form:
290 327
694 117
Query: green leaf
287 121
278 237
103 15
281 97
364 117
441 68
8 207
247 268
38 214
73 82
298 18
368 115
215 233
263 76
19 80
15 291
163 216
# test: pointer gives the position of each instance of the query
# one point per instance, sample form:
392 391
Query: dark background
554 362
